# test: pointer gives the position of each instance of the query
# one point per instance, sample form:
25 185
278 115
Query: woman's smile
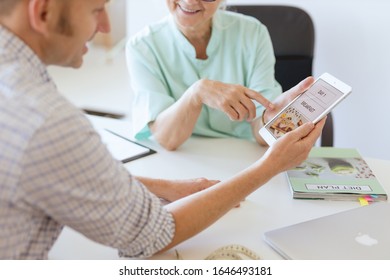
187 10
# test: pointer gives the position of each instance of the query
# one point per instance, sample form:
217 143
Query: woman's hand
175 125
235 101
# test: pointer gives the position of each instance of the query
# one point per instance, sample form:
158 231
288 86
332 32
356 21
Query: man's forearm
196 212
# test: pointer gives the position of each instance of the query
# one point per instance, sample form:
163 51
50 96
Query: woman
200 71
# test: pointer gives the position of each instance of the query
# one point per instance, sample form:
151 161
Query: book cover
335 174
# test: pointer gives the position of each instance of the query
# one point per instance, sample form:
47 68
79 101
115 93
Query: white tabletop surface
269 207
101 84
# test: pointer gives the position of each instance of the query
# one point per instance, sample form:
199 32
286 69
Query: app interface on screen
306 108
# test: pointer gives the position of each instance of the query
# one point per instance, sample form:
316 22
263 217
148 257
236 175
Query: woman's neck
199 38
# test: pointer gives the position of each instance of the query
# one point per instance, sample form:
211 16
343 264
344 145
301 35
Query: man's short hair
6 6
63 25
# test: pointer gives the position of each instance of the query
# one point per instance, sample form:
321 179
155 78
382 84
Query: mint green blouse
163 65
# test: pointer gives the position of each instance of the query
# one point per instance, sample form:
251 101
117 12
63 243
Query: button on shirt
163 65
55 171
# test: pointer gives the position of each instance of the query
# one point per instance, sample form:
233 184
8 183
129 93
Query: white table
269 207
101 84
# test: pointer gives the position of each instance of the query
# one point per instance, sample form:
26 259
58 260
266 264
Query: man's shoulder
30 89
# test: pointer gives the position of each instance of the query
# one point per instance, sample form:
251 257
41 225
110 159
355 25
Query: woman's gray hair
223 5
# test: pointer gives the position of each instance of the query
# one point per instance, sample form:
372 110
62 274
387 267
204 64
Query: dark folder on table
122 148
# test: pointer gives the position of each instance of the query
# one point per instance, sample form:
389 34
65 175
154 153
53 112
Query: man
54 170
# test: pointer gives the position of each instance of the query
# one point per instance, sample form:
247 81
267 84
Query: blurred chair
292 34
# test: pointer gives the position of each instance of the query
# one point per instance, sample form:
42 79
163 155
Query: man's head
6 6
57 30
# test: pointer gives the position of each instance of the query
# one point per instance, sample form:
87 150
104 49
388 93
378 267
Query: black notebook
122 148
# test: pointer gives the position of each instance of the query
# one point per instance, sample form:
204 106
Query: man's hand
177 189
172 190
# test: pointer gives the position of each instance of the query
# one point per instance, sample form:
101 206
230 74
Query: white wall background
353 43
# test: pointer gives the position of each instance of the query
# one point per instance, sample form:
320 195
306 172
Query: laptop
360 233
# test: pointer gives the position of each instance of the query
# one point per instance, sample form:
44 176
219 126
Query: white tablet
311 106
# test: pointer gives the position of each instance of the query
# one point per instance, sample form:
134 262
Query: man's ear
38 13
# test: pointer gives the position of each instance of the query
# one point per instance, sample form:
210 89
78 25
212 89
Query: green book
335 174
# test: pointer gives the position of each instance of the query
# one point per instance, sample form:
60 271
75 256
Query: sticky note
363 201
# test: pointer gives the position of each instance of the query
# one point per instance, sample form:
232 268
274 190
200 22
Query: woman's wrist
195 93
